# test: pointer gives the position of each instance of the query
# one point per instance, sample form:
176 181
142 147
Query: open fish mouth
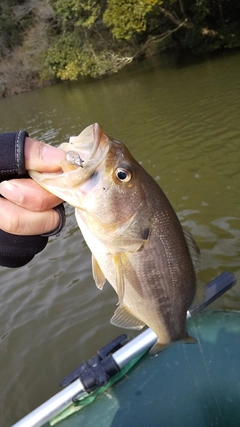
84 154
90 145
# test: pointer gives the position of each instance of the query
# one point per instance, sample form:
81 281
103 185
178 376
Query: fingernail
11 192
52 155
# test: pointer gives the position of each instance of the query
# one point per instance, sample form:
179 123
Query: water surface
180 119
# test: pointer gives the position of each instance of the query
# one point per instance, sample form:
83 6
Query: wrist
12 163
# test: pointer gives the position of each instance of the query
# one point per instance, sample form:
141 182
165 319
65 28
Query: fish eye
123 174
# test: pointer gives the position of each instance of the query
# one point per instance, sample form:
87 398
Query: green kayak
185 385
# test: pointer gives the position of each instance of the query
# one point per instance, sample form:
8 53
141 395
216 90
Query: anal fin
157 347
123 318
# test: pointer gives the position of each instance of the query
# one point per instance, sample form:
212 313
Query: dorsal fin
200 292
193 249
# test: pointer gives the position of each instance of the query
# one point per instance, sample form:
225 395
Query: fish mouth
91 147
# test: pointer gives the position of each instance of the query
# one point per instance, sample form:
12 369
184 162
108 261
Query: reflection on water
181 121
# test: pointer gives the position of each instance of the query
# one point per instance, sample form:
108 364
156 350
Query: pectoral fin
97 274
123 318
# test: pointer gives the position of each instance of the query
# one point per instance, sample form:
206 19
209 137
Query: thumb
42 157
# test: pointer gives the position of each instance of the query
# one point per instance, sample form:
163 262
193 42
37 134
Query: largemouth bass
137 242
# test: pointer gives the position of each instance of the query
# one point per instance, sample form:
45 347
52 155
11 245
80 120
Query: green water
181 120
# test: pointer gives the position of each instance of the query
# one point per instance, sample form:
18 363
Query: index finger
27 193
42 157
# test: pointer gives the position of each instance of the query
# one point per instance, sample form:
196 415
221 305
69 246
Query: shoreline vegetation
45 41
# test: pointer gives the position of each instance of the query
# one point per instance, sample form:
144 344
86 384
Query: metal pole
135 347
52 407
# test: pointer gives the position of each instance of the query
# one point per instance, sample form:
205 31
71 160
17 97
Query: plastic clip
97 371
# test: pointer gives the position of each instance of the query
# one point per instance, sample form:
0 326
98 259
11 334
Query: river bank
44 41
19 75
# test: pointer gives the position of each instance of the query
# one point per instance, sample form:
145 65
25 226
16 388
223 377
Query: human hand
27 209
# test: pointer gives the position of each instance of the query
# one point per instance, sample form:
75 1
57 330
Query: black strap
61 212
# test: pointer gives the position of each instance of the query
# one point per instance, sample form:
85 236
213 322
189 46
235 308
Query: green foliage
66 39
127 18
75 13
70 57
74 50
63 55
82 44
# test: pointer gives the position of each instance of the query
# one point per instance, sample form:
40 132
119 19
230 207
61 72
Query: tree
98 37
82 44
127 18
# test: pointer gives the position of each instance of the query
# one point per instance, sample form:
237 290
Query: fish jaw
93 188
92 146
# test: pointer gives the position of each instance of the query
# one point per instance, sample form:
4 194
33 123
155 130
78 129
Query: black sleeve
12 155
16 251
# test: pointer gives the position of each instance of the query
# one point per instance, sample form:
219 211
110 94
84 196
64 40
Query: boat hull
187 384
